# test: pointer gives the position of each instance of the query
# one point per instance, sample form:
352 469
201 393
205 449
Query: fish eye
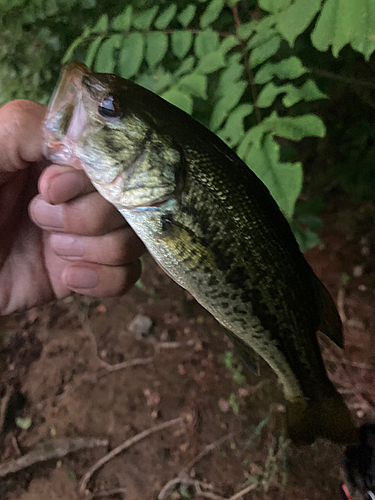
109 108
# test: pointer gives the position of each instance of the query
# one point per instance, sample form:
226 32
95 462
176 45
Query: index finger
21 136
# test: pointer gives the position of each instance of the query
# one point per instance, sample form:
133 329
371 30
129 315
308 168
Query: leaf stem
345 79
248 69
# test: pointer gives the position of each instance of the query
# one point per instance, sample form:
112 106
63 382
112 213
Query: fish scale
212 225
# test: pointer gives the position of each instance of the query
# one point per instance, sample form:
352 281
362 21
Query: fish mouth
66 117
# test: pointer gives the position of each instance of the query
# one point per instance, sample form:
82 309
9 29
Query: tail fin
326 418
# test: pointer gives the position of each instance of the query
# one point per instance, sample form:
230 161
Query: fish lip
61 150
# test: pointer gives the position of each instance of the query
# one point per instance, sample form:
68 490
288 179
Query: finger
59 184
20 135
101 281
113 249
89 215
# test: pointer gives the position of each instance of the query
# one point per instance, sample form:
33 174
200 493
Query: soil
56 383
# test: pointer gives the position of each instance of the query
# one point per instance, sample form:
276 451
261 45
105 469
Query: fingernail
67 246
46 215
81 277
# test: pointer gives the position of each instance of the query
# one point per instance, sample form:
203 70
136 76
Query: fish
212 226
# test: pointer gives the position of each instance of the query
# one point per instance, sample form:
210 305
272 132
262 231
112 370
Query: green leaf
228 44
179 99
184 492
194 84
165 17
364 37
210 63
123 21
341 22
105 62
252 137
71 475
181 43
245 30
261 37
23 423
131 55
51 8
284 180
187 15
308 92
265 51
143 20
286 69
185 67
295 128
274 5
92 50
163 80
226 104
88 4
157 46
294 20
101 25
205 42
232 73
233 130
211 13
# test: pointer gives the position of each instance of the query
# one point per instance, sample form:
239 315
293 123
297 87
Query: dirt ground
63 377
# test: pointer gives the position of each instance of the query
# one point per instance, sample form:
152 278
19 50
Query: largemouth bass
212 225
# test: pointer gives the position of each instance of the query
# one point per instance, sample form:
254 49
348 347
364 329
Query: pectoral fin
248 356
330 322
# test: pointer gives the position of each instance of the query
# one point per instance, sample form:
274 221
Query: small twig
125 364
210 447
127 444
243 492
172 345
103 364
188 481
198 485
15 445
108 493
182 476
4 405
47 451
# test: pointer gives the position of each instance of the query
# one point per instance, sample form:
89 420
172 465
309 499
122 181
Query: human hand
66 238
